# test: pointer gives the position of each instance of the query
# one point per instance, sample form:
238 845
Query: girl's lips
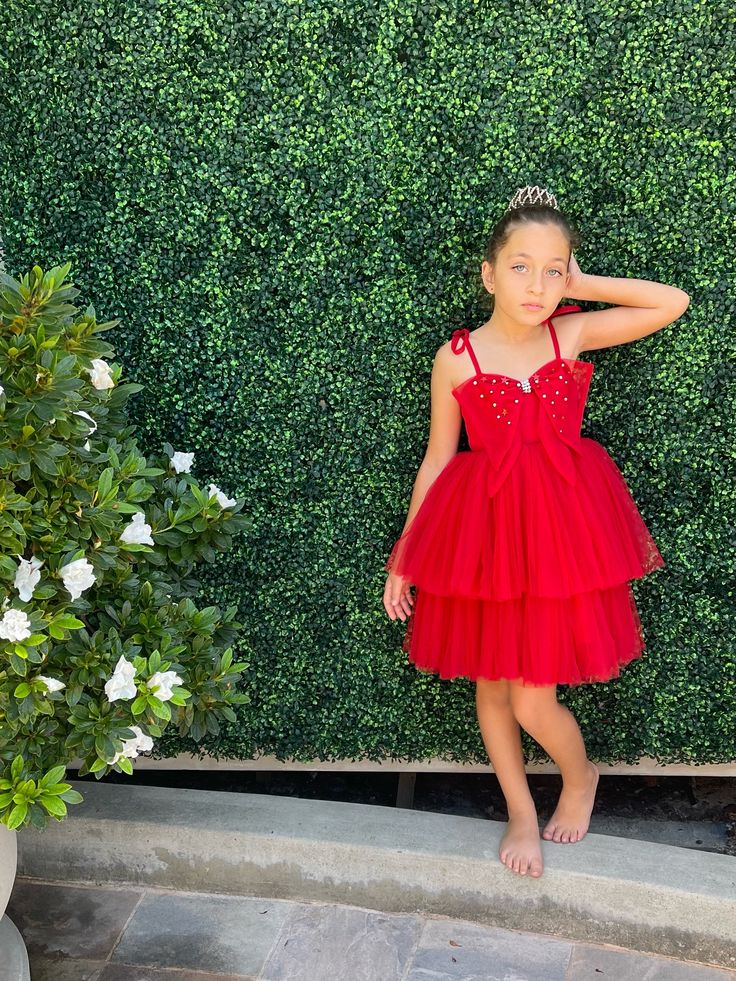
532 306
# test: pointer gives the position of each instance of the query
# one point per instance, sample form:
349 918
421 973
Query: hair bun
532 195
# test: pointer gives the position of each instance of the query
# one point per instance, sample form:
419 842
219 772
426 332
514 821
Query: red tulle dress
523 549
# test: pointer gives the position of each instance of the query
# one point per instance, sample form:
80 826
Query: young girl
521 551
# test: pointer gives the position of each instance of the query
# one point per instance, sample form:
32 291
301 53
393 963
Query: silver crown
532 195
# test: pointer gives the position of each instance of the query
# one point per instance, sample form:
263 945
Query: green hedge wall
286 205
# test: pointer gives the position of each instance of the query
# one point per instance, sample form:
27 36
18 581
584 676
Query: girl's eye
521 265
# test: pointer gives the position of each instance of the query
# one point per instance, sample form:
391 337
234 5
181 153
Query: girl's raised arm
646 307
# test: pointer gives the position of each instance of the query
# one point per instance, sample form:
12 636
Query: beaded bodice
502 413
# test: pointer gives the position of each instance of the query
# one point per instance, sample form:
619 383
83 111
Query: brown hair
520 215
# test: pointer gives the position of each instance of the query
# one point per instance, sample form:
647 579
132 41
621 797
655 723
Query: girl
521 551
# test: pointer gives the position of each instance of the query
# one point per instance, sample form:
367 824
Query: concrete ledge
648 897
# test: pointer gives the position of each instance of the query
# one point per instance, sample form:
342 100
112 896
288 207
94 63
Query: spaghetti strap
566 309
553 332
461 342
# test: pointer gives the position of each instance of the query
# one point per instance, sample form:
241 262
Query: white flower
131 747
27 576
100 374
51 683
137 532
166 680
225 502
182 462
77 576
2 390
121 684
15 625
86 415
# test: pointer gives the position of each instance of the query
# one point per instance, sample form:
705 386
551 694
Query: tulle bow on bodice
502 413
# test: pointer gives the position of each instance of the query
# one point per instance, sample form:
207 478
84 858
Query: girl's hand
397 599
574 289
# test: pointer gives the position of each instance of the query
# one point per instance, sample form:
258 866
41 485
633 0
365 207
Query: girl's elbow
679 305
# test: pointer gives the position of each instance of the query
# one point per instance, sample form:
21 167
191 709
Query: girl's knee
529 702
497 692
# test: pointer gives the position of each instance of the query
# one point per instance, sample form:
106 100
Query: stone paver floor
89 933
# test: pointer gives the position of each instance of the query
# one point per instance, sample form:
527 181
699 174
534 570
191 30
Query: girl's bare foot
520 847
571 818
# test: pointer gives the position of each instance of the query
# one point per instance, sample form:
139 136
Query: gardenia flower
137 532
121 684
225 502
141 743
81 412
27 576
182 462
15 625
51 683
100 374
77 576
86 415
166 680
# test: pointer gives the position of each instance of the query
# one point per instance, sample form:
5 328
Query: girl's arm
646 307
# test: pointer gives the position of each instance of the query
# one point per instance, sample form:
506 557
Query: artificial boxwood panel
286 204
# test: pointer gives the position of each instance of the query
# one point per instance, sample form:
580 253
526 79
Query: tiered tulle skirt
532 584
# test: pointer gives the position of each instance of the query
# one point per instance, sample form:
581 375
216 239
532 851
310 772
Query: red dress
523 548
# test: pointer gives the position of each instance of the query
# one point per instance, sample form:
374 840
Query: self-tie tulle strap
460 342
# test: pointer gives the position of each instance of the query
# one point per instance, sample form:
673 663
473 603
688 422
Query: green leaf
139 705
19 665
35 639
104 483
17 815
72 796
68 622
22 690
161 709
52 777
56 789
54 805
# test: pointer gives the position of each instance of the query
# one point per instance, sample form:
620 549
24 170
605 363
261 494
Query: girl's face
530 269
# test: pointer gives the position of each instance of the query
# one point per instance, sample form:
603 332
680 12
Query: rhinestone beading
525 386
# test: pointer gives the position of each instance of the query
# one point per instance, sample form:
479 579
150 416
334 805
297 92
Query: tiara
532 195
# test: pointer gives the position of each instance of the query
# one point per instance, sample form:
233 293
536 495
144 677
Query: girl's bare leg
520 848
554 727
